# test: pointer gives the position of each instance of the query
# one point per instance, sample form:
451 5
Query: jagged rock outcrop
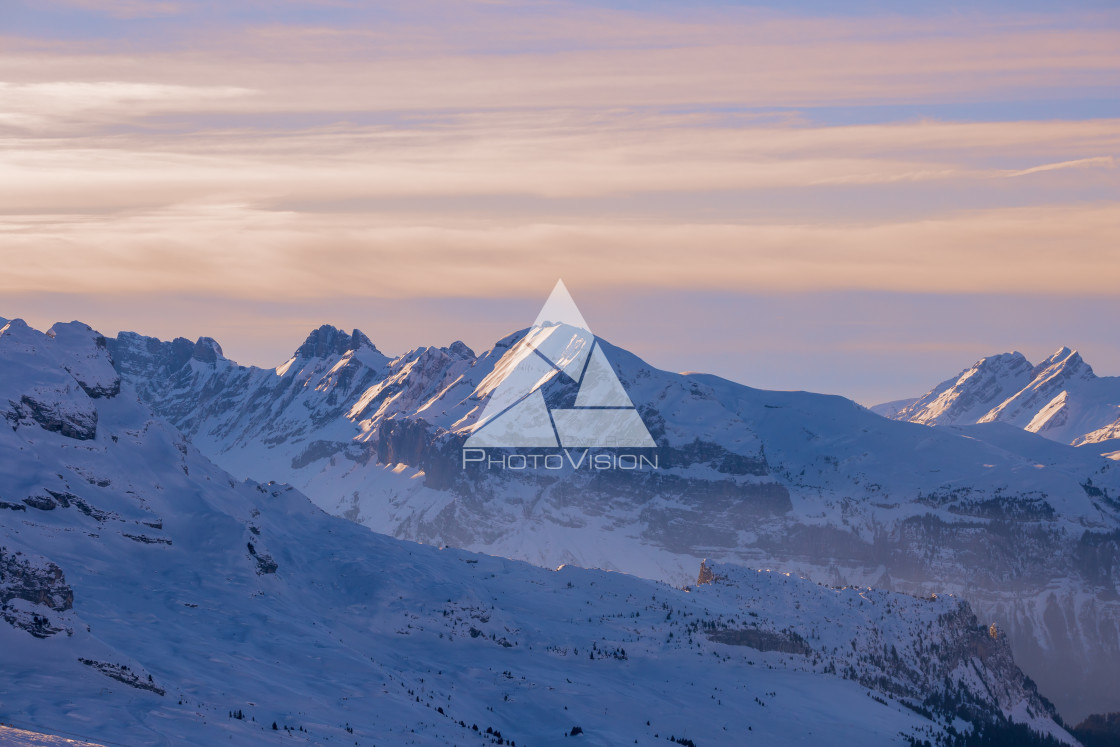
61 399
61 411
207 350
328 341
37 581
81 352
41 587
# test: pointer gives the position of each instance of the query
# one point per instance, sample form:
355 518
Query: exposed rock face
327 341
949 662
41 502
761 640
60 411
82 353
38 583
206 350
62 399
264 561
123 674
290 401
140 358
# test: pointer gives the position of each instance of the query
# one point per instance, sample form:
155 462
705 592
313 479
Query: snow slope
148 597
892 408
1023 527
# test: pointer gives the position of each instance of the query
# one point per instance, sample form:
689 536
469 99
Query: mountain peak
1013 357
74 328
207 350
1061 398
329 340
460 349
1066 361
14 327
996 363
971 394
1063 352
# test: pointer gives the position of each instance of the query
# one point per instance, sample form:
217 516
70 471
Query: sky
858 198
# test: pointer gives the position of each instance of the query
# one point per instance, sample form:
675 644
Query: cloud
467 56
1080 163
125 9
556 157
415 156
236 251
76 105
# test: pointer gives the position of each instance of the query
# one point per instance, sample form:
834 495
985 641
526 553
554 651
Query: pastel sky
858 198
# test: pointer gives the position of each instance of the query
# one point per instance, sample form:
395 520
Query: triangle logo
559 343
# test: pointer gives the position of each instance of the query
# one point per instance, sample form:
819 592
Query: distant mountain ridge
1060 398
1019 525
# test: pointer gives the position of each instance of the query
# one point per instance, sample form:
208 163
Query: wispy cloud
125 9
76 105
1079 163
235 250
575 56
554 154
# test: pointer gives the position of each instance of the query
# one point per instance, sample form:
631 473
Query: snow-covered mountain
1060 398
147 596
1024 528
892 408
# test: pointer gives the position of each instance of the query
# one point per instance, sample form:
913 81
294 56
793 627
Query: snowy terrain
1060 398
1024 528
149 597
892 408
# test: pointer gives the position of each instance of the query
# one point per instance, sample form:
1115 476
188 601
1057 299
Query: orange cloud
237 251
487 149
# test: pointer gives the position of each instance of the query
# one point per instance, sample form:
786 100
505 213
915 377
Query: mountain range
1060 398
1025 528
149 596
